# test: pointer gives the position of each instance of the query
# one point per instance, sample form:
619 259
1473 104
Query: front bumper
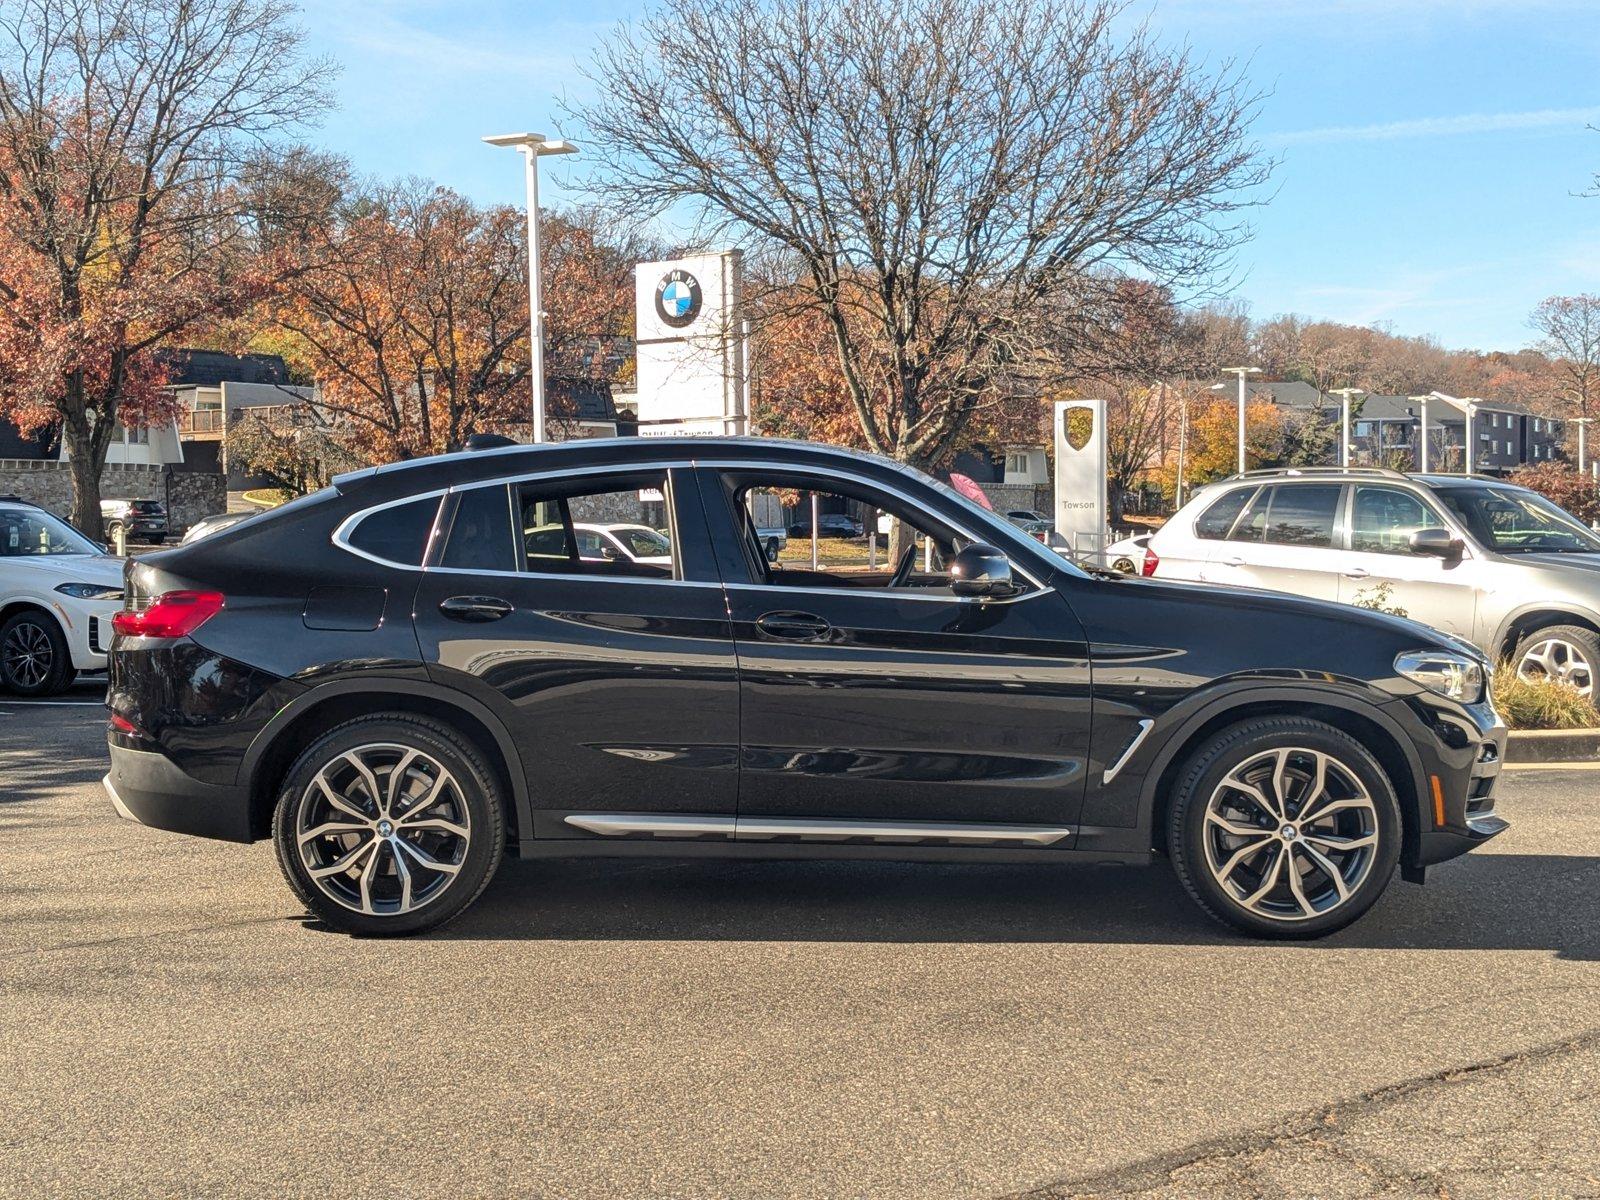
148 787
1461 770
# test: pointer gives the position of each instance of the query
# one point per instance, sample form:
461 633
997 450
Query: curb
1552 745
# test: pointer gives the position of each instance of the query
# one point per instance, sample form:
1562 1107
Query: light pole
534 146
1472 411
1583 459
1422 435
1344 395
1241 372
1183 442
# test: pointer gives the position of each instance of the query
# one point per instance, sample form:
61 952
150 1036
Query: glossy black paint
723 691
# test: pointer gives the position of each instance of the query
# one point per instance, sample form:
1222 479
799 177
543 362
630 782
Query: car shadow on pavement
1483 902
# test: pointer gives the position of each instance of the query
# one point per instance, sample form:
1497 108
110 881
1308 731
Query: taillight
1151 562
170 615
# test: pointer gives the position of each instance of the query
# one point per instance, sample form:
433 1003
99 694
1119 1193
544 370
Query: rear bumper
148 787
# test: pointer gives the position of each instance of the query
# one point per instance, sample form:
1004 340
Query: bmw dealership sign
690 340
678 298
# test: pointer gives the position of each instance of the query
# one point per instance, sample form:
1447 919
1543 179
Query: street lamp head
515 139
533 143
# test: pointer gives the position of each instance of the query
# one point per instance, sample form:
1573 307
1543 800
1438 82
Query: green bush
1540 703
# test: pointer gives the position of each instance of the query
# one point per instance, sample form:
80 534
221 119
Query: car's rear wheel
35 659
1568 654
389 824
1284 827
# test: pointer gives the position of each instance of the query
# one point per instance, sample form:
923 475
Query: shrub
1540 703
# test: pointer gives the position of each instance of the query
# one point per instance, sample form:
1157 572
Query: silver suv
1497 565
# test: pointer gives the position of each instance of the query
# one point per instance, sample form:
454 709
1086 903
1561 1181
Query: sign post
1080 443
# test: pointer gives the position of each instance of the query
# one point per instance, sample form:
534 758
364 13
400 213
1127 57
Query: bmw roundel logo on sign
678 298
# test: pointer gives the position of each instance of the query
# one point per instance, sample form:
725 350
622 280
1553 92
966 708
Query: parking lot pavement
171 1024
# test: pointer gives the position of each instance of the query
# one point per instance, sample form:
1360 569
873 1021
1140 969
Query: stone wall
1005 497
188 495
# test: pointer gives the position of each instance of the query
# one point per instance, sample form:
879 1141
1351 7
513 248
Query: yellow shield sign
1080 426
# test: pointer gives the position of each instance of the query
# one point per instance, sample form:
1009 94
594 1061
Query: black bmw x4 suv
405 676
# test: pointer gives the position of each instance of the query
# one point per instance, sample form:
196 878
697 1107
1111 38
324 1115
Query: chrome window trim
341 534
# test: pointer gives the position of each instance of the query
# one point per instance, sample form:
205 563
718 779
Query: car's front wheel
389 824
1568 654
35 659
1284 827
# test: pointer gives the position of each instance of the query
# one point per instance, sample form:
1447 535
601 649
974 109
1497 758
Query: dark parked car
387 680
140 520
829 525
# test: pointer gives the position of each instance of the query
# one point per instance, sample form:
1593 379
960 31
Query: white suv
58 591
1496 565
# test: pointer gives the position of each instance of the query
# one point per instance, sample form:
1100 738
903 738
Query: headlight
88 591
1458 676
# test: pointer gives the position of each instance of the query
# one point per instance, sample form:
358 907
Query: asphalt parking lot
170 1024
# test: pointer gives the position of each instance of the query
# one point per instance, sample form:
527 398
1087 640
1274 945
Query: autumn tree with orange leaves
126 130
415 324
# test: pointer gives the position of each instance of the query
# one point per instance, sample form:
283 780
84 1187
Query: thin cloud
1430 127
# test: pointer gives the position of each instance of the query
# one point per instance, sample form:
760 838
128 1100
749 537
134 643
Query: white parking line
65 704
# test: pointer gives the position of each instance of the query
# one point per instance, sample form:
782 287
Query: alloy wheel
28 655
383 829
1290 834
1558 659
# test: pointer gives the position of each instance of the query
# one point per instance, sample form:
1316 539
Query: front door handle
475 608
794 626
1357 573
1233 562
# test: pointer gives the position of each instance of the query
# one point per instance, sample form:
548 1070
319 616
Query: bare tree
125 126
1569 327
943 173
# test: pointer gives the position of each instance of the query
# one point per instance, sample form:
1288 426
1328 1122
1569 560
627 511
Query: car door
876 709
617 679
1380 569
1287 539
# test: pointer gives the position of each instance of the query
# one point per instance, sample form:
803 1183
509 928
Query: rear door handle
1233 562
1357 573
794 626
475 608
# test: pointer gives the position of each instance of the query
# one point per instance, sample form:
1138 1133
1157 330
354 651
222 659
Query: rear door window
1303 514
1216 521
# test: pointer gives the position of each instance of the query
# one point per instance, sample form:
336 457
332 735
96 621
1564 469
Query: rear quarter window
397 534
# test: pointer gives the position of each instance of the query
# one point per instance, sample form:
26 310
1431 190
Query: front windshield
1517 521
32 531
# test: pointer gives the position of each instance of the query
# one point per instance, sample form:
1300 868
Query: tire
1227 874
157 538
113 530
35 659
1570 653
462 825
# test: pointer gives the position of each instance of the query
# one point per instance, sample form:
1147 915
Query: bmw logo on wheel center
678 298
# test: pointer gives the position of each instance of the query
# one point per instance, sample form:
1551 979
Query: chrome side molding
750 829
652 825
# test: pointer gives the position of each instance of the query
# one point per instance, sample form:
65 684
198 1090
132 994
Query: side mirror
979 570
1440 543
609 553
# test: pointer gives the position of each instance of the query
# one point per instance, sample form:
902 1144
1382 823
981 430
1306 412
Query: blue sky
1432 150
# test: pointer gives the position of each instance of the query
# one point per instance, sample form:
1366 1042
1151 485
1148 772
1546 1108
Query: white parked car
1129 555
602 543
1494 564
58 591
